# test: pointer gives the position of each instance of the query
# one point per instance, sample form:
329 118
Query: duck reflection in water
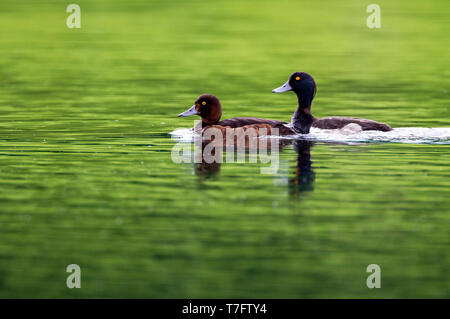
209 167
300 182
303 181
206 170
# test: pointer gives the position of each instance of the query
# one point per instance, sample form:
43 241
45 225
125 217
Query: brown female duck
208 107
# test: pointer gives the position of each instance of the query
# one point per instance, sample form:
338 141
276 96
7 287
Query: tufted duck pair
210 110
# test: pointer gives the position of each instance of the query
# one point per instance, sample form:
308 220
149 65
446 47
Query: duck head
304 86
301 83
207 106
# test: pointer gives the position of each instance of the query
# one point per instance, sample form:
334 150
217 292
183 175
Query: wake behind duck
408 135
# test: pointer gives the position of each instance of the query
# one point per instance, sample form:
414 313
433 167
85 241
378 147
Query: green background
86 174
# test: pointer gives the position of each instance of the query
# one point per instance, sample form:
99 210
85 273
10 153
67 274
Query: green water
86 173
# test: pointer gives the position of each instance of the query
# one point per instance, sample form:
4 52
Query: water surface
87 176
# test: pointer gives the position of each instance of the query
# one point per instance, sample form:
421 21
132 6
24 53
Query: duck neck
208 123
302 119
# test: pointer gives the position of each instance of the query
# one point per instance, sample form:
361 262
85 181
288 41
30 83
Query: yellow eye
203 103
297 78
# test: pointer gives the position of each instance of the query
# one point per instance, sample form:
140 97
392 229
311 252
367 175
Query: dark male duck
208 107
304 86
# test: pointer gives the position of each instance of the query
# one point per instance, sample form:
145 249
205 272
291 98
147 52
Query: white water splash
183 134
409 135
